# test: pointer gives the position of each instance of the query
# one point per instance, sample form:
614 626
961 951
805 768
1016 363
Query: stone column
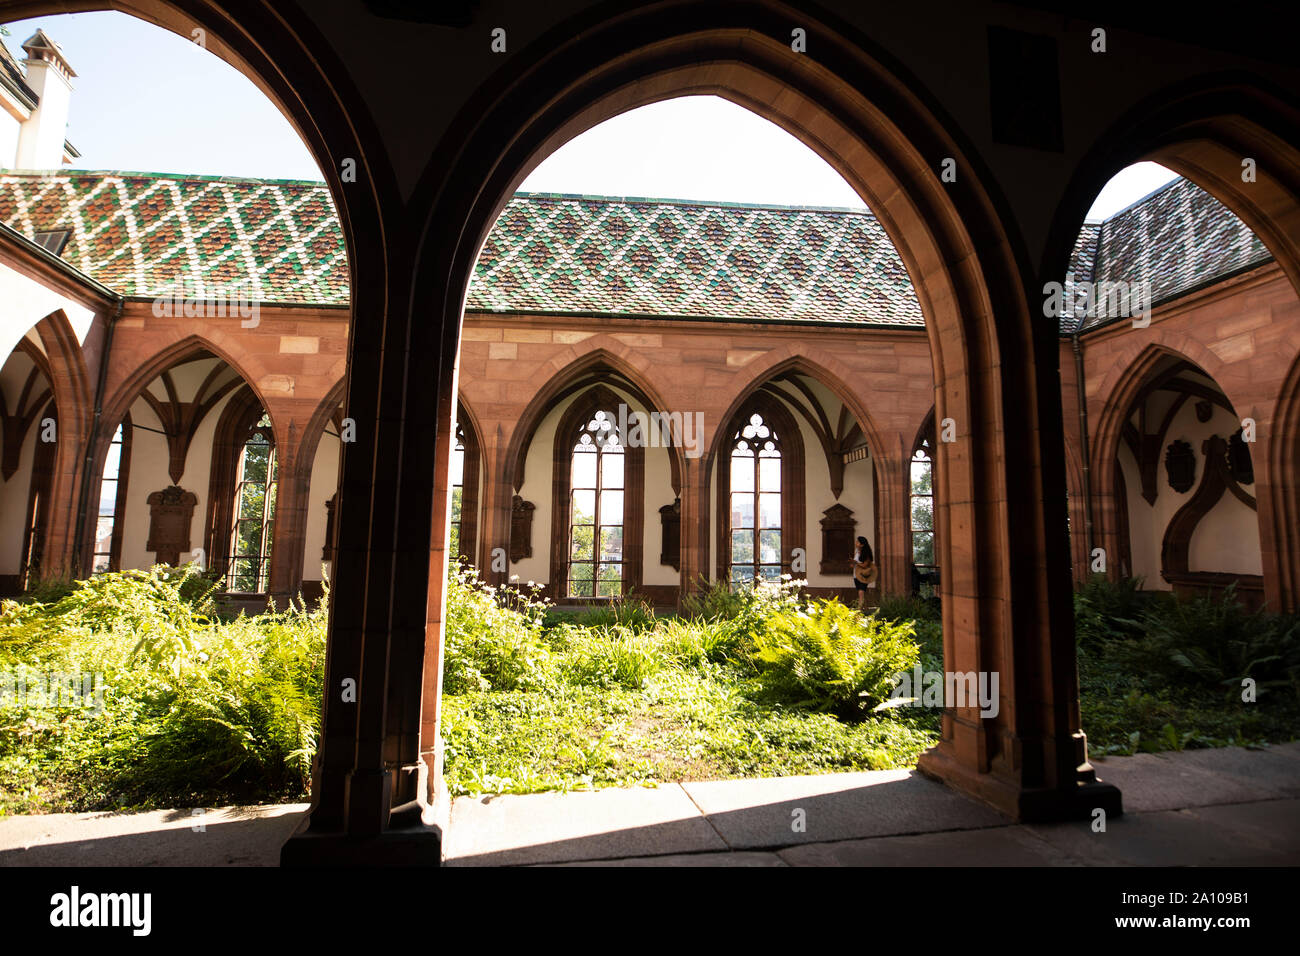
695 524
893 552
430 741
289 539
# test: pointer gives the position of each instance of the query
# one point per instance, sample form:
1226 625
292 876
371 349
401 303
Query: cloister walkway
1228 807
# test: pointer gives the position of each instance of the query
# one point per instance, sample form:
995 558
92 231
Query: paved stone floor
1228 807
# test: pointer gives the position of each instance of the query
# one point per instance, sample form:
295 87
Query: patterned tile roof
143 234
1178 238
139 233
588 254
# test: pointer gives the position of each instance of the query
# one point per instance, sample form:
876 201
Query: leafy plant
614 656
827 657
714 601
1213 640
1107 610
48 589
195 710
492 638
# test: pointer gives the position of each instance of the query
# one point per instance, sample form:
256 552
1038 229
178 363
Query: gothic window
38 506
597 502
596 511
457 492
254 512
463 518
755 503
112 501
920 515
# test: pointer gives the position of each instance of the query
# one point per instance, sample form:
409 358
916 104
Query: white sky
146 99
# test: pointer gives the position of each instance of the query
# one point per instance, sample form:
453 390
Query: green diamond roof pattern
141 233
1178 238
589 254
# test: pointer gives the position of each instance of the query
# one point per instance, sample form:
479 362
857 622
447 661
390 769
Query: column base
409 846
1025 805
414 836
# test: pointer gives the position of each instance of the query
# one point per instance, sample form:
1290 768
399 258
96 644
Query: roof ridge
142 174
720 203
1147 198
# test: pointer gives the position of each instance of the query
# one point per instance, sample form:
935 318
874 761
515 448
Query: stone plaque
170 513
670 518
1180 466
838 540
521 528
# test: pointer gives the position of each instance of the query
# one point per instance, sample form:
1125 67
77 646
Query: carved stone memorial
838 527
170 513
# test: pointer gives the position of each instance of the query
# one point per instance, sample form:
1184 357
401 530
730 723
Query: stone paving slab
559 827
1151 782
1274 824
1271 769
1208 807
231 836
753 814
995 846
727 859
1226 835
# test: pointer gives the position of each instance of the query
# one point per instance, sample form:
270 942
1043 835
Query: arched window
597 508
38 503
920 517
761 504
755 503
112 501
254 512
457 492
463 522
597 522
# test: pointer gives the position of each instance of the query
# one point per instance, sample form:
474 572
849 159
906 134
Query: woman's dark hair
865 554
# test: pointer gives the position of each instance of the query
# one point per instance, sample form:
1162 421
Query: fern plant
828 657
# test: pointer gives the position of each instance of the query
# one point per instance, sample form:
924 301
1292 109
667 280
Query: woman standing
864 571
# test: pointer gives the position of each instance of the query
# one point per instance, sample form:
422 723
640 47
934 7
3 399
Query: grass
200 710
195 711
622 697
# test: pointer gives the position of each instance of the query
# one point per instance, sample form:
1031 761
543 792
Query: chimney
42 136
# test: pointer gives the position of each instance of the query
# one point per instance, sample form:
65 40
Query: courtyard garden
133 690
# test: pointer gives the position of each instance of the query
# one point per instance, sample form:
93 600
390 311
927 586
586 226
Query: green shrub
1213 641
244 725
195 711
493 636
48 589
828 657
626 612
695 643
714 601
614 656
909 607
164 608
1106 610
745 606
